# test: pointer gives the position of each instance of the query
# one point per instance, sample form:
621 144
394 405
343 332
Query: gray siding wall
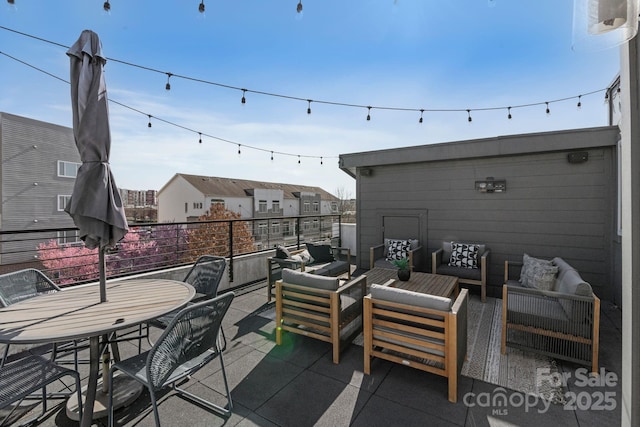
30 153
551 208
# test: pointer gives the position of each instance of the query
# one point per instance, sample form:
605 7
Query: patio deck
296 384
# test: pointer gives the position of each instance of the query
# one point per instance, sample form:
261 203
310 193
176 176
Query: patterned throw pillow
542 276
398 249
528 271
464 255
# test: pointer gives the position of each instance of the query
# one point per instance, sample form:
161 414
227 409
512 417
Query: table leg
94 367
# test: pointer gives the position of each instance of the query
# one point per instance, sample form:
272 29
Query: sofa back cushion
570 282
311 280
320 252
417 299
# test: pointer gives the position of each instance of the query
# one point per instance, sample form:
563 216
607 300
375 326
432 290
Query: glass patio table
77 313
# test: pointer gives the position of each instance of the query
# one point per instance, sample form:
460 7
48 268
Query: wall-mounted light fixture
491 185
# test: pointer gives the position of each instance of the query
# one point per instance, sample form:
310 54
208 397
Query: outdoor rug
515 370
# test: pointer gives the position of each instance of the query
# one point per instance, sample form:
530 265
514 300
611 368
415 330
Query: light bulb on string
149 124
200 138
421 113
606 97
369 114
243 100
106 6
12 6
579 104
548 109
309 106
509 113
298 158
321 163
168 85
469 119
299 7
201 7
272 156
239 150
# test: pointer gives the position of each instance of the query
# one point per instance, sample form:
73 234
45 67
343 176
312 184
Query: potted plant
403 268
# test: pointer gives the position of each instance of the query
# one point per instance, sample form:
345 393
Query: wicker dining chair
21 378
205 276
187 344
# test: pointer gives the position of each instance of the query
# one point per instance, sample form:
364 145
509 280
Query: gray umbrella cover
95 205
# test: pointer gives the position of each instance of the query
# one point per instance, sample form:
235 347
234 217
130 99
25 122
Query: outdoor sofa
316 258
550 310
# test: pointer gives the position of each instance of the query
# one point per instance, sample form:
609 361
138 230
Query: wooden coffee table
433 284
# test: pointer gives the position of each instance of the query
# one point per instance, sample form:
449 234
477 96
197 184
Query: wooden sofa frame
394 332
317 313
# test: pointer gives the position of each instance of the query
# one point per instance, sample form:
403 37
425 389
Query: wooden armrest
360 280
507 265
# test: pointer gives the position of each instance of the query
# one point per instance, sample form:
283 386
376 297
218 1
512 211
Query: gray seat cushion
460 272
334 268
310 280
402 296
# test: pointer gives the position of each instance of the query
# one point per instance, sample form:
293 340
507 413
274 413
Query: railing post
339 230
298 232
230 251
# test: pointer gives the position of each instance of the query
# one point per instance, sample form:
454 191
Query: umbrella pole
103 275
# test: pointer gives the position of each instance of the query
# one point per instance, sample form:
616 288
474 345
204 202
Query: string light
548 110
309 107
11 1
321 161
469 114
201 7
509 113
272 156
168 85
243 100
106 6
421 112
369 114
199 137
298 158
579 105
299 7
606 97
239 150
149 124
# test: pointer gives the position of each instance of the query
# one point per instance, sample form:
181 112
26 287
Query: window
262 206
316 206
305 225
68 237
306 207
334 207
186 207
62 201
316 224
68 169
275 228
262 229
286 228
275 206
197 205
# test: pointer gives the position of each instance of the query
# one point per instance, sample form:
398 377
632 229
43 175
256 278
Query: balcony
297 384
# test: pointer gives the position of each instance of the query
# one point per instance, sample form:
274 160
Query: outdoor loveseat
551 310
317 258
418 330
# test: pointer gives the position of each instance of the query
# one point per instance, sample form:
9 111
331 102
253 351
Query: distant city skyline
483 56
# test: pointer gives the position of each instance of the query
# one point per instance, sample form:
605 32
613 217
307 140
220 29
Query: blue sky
418 54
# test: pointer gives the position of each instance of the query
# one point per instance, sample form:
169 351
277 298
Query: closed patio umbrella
95 205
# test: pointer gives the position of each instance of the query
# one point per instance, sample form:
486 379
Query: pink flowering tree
142 249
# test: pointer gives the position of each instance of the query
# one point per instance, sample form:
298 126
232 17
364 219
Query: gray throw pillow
542 276
527 272
282 252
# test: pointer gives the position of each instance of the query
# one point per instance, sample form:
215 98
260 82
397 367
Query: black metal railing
62 256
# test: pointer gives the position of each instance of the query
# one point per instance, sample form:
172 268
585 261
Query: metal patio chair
205 276
21 378
187 344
